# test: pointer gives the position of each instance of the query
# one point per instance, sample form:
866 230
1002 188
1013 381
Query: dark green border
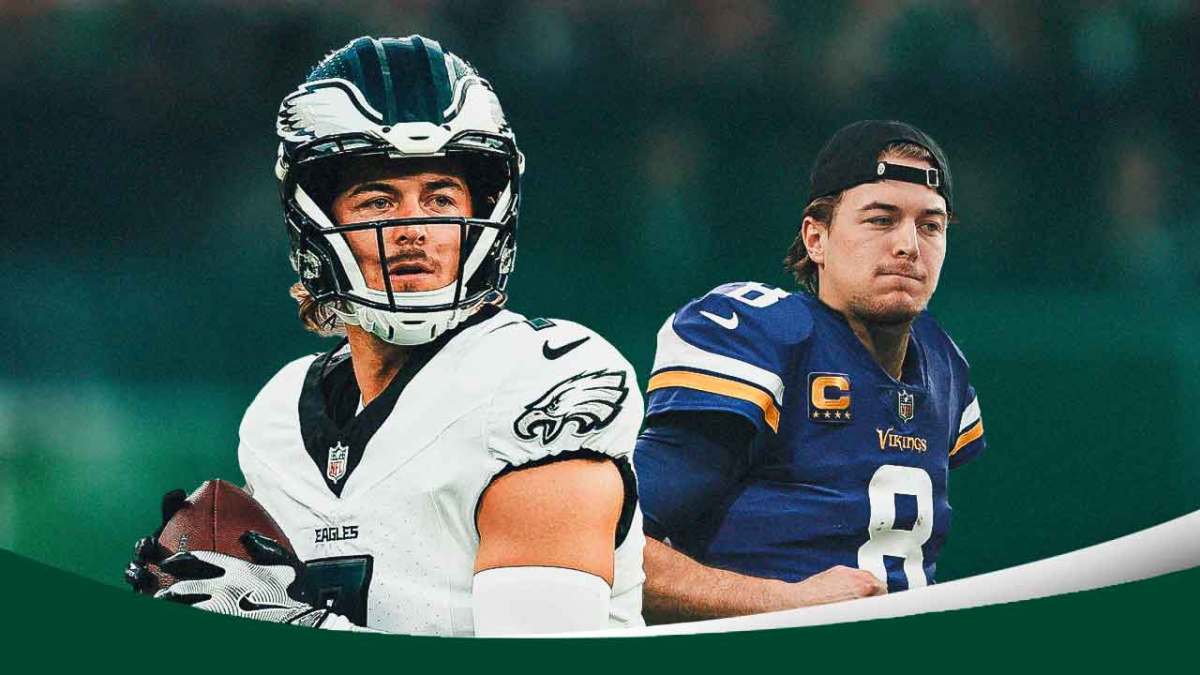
61 619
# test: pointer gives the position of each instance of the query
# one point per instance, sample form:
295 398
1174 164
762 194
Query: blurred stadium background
145 274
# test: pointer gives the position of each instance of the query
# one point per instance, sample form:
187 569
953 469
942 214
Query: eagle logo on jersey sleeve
589 400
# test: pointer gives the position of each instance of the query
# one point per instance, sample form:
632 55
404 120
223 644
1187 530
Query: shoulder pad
272 413
730 350
284 385
928 328
747 320
567 389
969 440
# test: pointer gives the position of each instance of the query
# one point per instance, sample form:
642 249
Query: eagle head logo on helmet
398 99
588 400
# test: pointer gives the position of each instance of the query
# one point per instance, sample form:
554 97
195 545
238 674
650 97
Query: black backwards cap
850 158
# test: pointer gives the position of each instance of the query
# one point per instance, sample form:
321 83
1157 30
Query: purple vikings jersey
845 465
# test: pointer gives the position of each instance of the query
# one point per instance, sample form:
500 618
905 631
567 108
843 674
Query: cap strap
930 177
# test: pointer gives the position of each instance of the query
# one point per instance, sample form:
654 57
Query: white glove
221 583
261 590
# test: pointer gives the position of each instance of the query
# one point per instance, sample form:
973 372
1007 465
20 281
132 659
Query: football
215 516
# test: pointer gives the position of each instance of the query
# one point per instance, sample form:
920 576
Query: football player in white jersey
451 467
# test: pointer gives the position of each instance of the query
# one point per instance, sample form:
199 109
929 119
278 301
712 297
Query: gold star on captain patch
826 414
847 414
837 415
816 414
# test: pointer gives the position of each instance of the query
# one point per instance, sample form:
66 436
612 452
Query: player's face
884 252
417 258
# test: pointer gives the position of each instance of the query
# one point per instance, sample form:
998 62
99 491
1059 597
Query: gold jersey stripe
968 436
719 385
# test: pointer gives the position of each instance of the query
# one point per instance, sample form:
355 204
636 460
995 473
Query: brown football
213 519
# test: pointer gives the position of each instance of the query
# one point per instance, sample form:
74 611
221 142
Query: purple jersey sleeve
729 351
970 441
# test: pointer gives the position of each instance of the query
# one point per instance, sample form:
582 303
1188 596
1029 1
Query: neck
886 343
375 362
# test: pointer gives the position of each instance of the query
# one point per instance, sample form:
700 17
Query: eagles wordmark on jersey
848 465
381 504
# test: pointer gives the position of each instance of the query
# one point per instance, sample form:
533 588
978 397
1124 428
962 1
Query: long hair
822 210
317 317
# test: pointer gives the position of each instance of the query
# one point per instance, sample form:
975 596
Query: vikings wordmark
890 440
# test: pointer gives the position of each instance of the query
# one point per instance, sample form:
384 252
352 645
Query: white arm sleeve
538 600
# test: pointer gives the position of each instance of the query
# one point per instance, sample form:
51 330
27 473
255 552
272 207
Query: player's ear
814 233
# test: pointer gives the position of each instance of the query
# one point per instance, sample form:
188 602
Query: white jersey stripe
674 352
970 415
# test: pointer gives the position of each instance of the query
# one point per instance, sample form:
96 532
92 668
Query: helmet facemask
368 297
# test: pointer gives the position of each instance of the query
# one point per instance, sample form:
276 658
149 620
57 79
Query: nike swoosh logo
248 605
555 352
730 323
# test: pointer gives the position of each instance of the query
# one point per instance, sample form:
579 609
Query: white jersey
382 507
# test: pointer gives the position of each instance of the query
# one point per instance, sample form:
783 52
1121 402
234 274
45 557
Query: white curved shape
1162 549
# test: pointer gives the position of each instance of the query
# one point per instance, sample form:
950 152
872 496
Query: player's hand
835 585
253 590
147 551
264 550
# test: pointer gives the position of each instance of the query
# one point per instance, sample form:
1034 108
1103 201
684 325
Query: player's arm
546 539
560 430
688 462
681 589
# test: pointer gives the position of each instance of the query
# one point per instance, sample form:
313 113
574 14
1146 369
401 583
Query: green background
144 266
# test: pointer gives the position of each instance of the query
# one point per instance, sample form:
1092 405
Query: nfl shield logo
335 466
904 405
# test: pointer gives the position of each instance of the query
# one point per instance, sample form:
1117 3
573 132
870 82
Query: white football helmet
398 98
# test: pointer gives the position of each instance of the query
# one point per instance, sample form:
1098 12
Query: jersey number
757 295
340 585
891 480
